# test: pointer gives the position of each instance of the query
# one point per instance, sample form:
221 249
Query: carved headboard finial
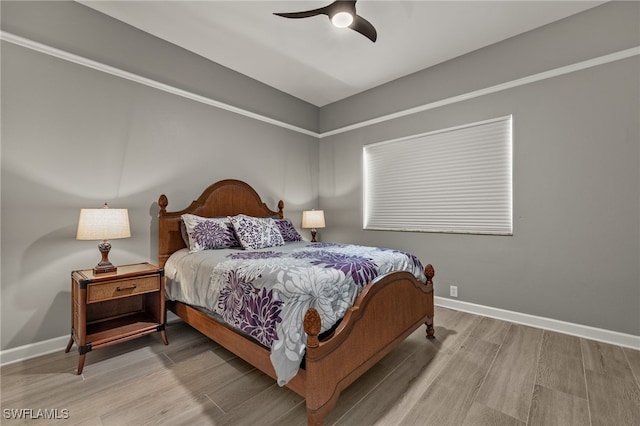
163 202
280 209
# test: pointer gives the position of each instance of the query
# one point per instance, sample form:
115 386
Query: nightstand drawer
122 288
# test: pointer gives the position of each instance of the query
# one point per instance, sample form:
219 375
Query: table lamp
313 219
103 224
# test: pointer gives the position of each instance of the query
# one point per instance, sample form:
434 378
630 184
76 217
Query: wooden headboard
224 198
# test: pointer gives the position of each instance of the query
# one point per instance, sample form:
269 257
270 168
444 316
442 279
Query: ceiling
314 61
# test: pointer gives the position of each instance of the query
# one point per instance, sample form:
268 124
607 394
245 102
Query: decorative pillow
256 232
289 233
183 232
208 233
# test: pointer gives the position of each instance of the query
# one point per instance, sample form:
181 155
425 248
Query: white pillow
256 232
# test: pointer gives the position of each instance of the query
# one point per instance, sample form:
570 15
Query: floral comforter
265 293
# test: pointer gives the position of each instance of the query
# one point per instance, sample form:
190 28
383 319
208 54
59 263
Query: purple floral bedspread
265 293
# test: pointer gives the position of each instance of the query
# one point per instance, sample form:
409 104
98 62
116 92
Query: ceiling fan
342 14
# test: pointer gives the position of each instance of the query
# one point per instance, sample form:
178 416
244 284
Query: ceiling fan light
342 19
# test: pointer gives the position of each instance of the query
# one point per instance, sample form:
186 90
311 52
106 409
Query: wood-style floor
478 371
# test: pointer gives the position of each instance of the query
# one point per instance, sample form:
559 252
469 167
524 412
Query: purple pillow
289 233
208 233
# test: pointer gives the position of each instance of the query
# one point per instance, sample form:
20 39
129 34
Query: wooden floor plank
152 408
633 357
203 377
491 330
561 343
612 400
389 402
297 416
240 390
606 359
202 413
481 415
455 388
554 408
186 351
560 365
509 385
263 408
455 327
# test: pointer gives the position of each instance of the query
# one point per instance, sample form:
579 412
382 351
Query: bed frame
366 334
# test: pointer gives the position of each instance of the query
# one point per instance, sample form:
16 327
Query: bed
384 311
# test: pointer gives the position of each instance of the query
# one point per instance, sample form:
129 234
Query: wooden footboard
385 313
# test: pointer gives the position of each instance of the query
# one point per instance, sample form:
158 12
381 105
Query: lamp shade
313 219
103 224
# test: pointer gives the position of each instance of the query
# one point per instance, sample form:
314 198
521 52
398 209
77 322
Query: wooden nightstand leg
81 363
82 350
163 335
69 345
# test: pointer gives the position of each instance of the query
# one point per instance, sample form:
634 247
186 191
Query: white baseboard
33 350
585 331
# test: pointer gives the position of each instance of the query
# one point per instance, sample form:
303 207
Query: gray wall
575 251
73 137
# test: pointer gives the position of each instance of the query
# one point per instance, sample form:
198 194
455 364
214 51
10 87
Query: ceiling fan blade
304 14
365 28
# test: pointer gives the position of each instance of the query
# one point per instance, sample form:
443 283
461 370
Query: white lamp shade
313 219
103 224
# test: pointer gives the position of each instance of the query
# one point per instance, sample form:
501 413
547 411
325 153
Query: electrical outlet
453 291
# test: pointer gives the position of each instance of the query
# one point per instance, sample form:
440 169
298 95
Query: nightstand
111 308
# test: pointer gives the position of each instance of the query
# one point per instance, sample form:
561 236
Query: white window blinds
455 180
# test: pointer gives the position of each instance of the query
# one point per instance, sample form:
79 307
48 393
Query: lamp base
313 236
104 269
104 266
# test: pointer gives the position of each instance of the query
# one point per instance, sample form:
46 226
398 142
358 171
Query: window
456 180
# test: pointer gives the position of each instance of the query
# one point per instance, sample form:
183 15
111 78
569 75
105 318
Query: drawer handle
132 287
